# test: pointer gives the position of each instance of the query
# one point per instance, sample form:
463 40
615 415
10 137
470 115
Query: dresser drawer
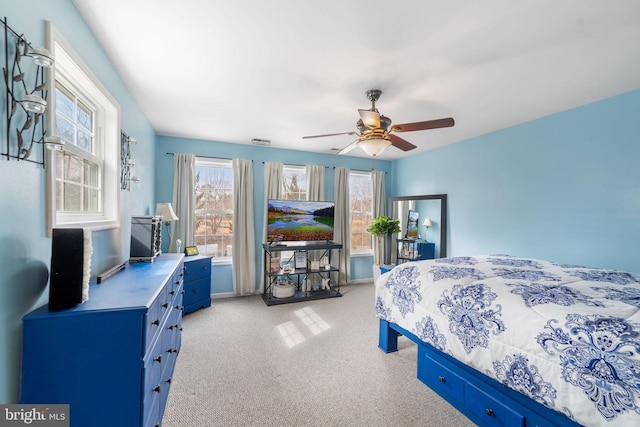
157 313
197 269
152 414
154 362
439 377
197 290
490 410
152 322
176 280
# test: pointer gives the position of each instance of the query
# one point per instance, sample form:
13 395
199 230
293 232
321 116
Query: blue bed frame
483 400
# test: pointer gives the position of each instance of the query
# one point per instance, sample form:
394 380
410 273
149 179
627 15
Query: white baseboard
360 281
219 295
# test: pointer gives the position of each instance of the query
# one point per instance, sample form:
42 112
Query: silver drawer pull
442 379
489 412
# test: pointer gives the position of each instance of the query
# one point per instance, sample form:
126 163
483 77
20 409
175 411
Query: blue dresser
197 283
111 358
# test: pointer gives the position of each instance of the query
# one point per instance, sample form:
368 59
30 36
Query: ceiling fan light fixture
374 146
370 118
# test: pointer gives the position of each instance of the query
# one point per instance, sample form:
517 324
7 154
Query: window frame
224 163
360 252
76 77
302 190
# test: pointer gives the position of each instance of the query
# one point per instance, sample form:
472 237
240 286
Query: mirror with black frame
432 207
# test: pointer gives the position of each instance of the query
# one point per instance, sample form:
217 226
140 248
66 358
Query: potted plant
383 226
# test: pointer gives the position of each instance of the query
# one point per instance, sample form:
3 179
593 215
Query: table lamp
427 223
165 210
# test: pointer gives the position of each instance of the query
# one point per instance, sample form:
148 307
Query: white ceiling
235 70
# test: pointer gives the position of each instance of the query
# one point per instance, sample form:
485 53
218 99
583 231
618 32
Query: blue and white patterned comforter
566 336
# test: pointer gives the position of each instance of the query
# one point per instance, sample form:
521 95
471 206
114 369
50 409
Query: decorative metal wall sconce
126 162
25 104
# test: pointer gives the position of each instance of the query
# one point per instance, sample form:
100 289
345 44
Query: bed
519 341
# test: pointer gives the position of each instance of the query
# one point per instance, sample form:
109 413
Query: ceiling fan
374 130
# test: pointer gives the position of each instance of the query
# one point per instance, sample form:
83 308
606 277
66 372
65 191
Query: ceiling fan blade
329 134
429 124
349 147
370 118
400 143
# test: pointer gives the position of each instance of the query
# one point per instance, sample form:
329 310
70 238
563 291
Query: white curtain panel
315 182
379 205
272 190
315 192
342 232
183 200
244 241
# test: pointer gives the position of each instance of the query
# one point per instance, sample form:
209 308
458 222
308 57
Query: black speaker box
67 268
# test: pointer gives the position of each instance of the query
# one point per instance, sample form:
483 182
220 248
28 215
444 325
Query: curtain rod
288 164
206 157
360 170
291 164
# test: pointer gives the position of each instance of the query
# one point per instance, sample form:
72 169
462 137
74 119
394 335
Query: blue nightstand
386 268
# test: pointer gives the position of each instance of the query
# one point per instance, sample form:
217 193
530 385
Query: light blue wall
565 187
25 250
221 281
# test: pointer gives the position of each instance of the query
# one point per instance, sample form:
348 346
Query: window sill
88 225
361 254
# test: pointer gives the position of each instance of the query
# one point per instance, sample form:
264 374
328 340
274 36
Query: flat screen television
299 220
412 224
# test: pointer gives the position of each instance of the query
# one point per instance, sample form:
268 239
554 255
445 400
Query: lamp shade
427 222
375 146
165 210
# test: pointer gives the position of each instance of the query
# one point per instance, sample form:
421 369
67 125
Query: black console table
301 271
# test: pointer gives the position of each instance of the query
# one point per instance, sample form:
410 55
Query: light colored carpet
303 364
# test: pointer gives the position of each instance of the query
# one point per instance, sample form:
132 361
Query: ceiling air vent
262 142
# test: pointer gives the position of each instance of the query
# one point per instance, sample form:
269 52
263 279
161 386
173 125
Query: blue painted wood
388 337
197 283
517 406
425 250
101 356
386 268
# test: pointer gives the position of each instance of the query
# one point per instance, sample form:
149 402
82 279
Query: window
294 187
294 183
214 207
361 208
83 178
78 169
